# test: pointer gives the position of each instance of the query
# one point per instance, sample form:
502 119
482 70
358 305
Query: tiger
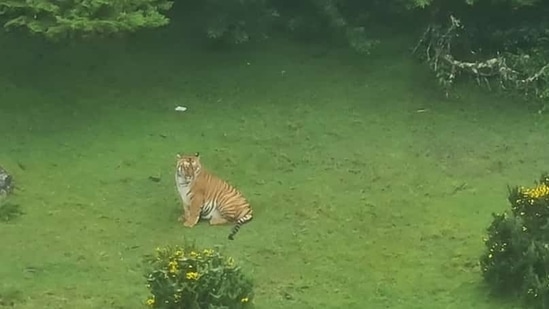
206 196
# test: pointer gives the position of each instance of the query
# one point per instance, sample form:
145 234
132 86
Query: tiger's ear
178 156
197 154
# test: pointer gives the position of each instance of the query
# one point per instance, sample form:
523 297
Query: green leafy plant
517 257
58 19
191 278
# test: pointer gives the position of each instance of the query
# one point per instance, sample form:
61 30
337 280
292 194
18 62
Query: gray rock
6 182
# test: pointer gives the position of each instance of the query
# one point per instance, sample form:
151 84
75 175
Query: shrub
517 257
190 278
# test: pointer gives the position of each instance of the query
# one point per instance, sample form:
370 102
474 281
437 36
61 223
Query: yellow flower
230 262
194 254
192 275
178 253
208 252
244 300
541 190
173 267
150 301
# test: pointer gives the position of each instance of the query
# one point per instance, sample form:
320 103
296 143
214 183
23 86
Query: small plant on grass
191 278
517 257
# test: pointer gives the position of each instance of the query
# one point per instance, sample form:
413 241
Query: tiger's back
218 195
206 196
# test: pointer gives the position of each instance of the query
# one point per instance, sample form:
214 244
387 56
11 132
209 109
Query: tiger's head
188 167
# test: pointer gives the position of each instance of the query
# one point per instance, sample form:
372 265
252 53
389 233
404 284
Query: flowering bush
189 278
517 257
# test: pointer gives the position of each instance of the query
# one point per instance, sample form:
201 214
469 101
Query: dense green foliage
238 19
189 277
85 17
517 257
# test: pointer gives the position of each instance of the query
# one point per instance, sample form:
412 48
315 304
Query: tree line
501 44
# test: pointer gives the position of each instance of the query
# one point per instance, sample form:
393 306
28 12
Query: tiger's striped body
206 196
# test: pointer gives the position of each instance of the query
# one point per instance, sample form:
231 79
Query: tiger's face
188 167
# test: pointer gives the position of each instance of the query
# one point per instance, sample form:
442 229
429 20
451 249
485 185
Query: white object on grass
180 109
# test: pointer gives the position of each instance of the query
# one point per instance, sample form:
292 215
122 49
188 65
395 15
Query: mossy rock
6 183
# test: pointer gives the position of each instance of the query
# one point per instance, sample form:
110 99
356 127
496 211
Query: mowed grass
360 201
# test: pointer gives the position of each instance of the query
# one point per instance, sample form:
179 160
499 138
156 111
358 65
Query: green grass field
360 200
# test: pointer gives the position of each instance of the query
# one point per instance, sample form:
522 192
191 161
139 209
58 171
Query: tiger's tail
245 219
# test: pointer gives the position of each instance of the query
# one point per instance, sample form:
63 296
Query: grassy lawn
360 200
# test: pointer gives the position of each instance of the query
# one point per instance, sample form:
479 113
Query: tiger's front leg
185 211
192 214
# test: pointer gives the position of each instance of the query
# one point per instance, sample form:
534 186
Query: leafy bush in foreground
517 257
190 278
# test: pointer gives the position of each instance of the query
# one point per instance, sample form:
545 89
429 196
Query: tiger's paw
188 223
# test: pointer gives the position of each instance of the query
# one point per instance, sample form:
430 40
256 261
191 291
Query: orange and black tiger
206 196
